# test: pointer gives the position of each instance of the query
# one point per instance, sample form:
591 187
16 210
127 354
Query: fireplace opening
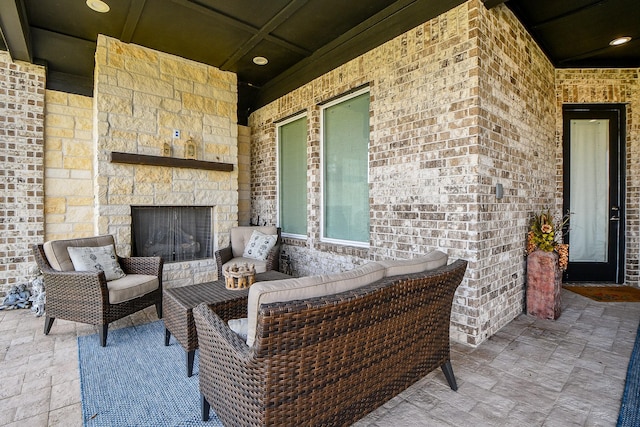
175 233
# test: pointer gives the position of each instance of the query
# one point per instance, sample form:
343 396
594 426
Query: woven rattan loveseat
87 296
328 360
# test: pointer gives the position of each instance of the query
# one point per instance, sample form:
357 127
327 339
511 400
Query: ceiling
302 39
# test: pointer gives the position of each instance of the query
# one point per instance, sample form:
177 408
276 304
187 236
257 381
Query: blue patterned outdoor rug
136 381
630 406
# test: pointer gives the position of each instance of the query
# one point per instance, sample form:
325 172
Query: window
345 157
292 176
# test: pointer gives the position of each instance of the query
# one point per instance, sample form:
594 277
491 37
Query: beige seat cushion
131 286
261 266
306 287
240 236
429 261
58 256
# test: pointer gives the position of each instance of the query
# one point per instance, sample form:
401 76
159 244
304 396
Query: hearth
175 233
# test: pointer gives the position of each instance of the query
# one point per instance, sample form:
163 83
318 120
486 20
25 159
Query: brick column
21 167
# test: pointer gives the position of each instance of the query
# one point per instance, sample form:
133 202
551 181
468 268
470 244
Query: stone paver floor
568 372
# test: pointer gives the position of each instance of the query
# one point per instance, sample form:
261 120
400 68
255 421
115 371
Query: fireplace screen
175 233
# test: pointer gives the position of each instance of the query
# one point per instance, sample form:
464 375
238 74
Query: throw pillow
259 245
96 258
239 326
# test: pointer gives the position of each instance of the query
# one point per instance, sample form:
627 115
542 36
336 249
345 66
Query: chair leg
205 407
190 356
48 323
159 309
167 336
103 335
448 373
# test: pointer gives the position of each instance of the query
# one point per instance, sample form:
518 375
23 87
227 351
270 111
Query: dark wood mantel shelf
143 159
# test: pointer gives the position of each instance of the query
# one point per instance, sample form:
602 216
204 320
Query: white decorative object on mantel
190 149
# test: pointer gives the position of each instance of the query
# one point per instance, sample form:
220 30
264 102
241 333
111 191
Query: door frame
619 112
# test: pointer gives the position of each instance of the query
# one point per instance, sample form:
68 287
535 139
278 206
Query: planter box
544 282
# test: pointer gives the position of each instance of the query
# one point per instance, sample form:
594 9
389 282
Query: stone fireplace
175 233
153 106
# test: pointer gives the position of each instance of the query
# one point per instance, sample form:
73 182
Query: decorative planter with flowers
547 257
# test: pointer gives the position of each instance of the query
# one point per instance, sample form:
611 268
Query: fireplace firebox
175 233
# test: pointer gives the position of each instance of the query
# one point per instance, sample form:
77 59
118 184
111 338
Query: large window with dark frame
345 170
292 176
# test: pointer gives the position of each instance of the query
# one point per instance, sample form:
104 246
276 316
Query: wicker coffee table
178 304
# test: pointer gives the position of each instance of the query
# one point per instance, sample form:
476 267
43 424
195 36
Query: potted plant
547 257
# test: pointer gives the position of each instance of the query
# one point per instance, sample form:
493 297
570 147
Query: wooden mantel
143 159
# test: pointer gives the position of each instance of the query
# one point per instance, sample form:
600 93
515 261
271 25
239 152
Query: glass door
593 192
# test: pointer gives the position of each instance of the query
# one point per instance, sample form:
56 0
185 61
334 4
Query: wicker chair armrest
88 278
215 331
222 256
273 258
230 309
142 265
89 288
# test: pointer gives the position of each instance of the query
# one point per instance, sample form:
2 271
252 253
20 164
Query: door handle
615 213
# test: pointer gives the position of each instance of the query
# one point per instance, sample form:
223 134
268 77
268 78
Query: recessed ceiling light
619 41
260 60
98 6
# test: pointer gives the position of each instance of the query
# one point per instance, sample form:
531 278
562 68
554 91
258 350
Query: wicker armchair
239 238
327 360
83 296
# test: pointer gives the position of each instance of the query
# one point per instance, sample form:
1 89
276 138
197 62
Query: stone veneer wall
140 97
458 104
69 197
601 86
22 93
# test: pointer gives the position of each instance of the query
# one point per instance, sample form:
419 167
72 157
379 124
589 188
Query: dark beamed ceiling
302 39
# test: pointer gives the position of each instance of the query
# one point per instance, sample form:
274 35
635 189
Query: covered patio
463 143
569 372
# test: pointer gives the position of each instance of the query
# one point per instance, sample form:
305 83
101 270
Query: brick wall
458 104
516 147
69 195
615 86
21 167
244 175
141 96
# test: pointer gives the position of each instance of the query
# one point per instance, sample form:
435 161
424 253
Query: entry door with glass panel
594 192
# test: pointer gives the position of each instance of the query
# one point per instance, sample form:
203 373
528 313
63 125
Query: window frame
285 122
323 108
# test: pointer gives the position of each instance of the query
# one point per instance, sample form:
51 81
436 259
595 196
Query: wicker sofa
327 359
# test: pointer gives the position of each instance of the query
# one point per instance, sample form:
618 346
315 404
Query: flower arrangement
545 235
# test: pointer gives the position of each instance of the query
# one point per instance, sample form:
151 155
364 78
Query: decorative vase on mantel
544 282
